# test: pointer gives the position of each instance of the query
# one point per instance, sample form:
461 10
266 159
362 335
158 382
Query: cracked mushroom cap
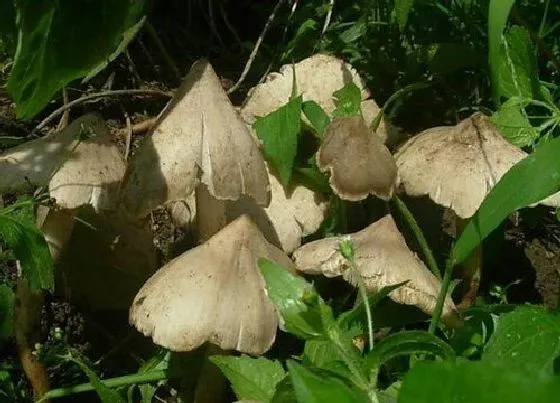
382 258
358 162
456 166
214 292
199 137
317 77
80 165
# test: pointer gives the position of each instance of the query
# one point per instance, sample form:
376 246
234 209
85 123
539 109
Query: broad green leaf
251 378
279 132
532 179
354 32
326 355
405 343
106 394
348 100
475 381
517 73
317 116
527 339
313 179
314 387
6 311
60 41
513 123
402 9
296 300
284 392
31 249
498 13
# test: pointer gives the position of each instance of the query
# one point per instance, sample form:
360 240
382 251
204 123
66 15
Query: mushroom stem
471 269
210 214
211 383
413 224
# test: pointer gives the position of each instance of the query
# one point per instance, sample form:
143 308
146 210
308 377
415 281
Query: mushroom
317 77
358 162
382 259
457 166
213 293
199 137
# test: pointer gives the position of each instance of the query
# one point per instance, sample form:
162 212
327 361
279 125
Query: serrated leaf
478 381
402 10
296 300
251 378
531 180
513 123
405 343
498 13
6 311
279 132
31 249
527 339
60 41
317 116
348 100
517 73
325 354
314 387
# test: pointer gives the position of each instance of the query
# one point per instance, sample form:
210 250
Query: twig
137 128
98 95
65 115
167 57
253 54
128 136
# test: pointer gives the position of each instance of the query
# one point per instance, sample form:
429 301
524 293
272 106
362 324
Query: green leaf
517 74
296 300
348 100
314 387
106 394
31 249
317 116
279 132
531 180
251 378
498 13
405 343
478 381
527 339
6 312
60 41
512 122
402 9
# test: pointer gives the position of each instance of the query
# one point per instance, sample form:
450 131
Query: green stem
144 377
365 300
413 224
446 282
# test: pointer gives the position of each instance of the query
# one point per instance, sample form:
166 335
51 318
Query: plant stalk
365 300
445 283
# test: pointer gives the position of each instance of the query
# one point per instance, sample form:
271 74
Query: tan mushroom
317 77
198 138
359 164
214 292
382 258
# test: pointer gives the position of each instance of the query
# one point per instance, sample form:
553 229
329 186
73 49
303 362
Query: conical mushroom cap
317 77
382 258
359 163
80 165
456 166
214 292
198 138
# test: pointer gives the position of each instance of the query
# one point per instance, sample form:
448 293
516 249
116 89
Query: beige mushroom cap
199 137
214 292
359 163
317 77
80 165
456 166
382 258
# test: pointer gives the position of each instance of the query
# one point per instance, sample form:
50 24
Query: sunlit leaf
510 119
498 13
402 10
348 100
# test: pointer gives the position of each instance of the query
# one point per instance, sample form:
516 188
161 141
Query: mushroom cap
214 292
359 163
456 166
382 258
292 214
199 137
317 77
80 165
